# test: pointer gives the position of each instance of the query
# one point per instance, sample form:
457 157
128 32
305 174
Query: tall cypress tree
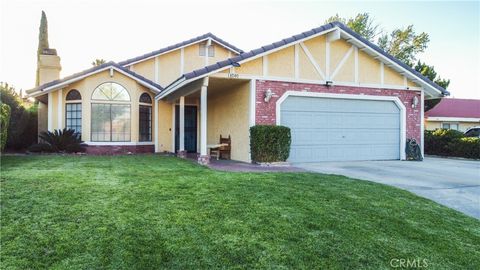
42 41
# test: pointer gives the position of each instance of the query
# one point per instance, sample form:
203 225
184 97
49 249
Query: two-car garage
342 127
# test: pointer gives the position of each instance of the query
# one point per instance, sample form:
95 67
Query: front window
453 126
145 115
73 109
111 119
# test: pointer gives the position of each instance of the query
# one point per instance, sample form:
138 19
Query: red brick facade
265 112
119 149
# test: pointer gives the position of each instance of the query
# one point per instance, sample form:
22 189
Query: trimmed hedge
447 142
269 143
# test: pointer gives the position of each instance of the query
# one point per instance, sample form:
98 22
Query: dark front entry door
190 128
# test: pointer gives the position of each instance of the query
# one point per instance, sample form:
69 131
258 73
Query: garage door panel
341 136
325 129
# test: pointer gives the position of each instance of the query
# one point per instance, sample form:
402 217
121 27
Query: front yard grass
152 212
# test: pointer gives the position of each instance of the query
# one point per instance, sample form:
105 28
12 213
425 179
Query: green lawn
144 212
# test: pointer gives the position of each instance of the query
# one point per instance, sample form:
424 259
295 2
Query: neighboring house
342 96
454 113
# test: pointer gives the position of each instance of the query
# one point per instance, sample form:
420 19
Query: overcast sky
115 30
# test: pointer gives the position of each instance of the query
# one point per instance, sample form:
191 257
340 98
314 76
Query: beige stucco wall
392 77
369 69
228 114
338 50
169 67
86 88
306 68
317 47
462 126
165 126
146 69
254 67
281 63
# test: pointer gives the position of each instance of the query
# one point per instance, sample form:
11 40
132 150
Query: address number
233 75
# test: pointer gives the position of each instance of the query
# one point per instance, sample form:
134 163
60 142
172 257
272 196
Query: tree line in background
402 43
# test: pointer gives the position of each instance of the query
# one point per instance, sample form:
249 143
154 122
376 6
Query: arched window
110 91
74 95
73 111
145 118
110 113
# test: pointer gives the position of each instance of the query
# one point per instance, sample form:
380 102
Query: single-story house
454 113
343 97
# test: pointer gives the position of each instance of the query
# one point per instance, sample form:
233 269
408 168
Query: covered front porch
207 108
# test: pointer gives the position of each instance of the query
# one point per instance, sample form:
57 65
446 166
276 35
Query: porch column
181 136
203 158
50 112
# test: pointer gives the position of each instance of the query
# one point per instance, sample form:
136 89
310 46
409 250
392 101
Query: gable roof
456 107
180 45
80 75
295 39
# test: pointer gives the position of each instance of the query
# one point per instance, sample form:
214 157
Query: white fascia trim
60 109
452 119
390 62
119 143
173 88
319 82
422 123
398 102
181 47
65 83
252 96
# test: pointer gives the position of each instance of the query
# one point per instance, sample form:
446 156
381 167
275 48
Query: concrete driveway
451 182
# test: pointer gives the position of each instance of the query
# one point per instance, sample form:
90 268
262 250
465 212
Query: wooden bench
223 149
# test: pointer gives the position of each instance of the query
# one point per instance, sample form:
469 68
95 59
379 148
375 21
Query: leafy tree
4 121
22 131
98 62
362 24
429 72
404 44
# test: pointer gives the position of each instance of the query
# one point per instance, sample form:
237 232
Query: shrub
465 147
40 148
269 143
66 140
22 130
447 142
4 120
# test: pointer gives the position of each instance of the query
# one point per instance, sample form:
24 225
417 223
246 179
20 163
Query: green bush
22 131
4 120
465 147
269 143
66 140
40 148
447 142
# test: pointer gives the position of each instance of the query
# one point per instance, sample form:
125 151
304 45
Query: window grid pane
74 117
110 122
145 123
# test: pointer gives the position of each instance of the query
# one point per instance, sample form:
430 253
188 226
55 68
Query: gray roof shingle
93 69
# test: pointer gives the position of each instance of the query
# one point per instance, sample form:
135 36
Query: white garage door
332 129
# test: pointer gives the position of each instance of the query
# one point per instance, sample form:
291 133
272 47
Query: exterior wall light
268 95
414 102
328 83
